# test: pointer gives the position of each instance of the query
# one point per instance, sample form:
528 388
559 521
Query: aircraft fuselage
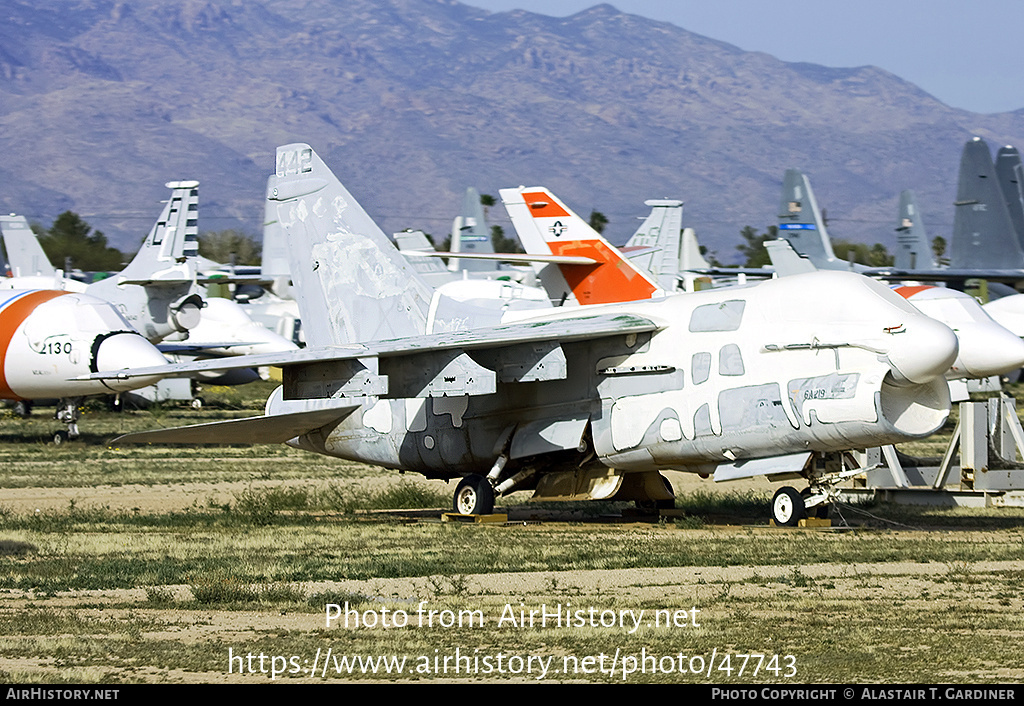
48 337
820 362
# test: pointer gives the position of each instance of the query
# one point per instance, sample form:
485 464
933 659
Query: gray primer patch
700 367
752 408
725 316
702 421
730 361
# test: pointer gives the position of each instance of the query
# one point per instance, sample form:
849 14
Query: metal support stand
987 443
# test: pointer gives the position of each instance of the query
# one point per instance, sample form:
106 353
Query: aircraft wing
950 274
427 365
324 385
227 278
766 272
150 282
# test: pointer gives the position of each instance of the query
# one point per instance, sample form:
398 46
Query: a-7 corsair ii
578 402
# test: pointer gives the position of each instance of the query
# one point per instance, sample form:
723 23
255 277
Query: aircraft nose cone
923 352
127 350
988 350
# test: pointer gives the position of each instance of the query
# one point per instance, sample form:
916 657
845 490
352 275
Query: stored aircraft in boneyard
983 245
578 402
985 347
49 339
154 292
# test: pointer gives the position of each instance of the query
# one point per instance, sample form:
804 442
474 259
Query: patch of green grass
262 505
226 589
101 549
353 599
706 503
349 498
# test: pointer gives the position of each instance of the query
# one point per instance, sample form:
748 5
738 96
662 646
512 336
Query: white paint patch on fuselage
633 416
378 417
670 430
416 414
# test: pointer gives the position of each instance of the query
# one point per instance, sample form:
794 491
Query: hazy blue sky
967 54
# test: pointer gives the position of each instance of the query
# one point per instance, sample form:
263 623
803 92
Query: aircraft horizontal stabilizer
170 347
506 257
267 429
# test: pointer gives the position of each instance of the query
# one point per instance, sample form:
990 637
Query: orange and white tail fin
546 226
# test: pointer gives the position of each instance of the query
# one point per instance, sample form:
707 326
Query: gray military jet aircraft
577 402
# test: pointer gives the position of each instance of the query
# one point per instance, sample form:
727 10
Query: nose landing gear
824 473
474 496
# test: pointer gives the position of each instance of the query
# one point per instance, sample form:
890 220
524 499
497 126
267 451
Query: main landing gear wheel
788 507
474 496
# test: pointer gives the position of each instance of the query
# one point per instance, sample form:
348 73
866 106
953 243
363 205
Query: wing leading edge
566 329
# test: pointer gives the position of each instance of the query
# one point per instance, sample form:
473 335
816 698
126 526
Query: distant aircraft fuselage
48 337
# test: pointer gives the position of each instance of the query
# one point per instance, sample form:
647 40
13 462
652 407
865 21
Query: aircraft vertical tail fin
274 256
350 281
690 256
1010 174
983 234
470 235
660 233
546 226
154 291
432 269
913 251
24 253
173 239
800 221
785 259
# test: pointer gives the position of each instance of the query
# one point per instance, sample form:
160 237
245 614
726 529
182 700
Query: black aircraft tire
474 496
788 507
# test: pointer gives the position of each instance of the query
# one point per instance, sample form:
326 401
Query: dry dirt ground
180 496
710 587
